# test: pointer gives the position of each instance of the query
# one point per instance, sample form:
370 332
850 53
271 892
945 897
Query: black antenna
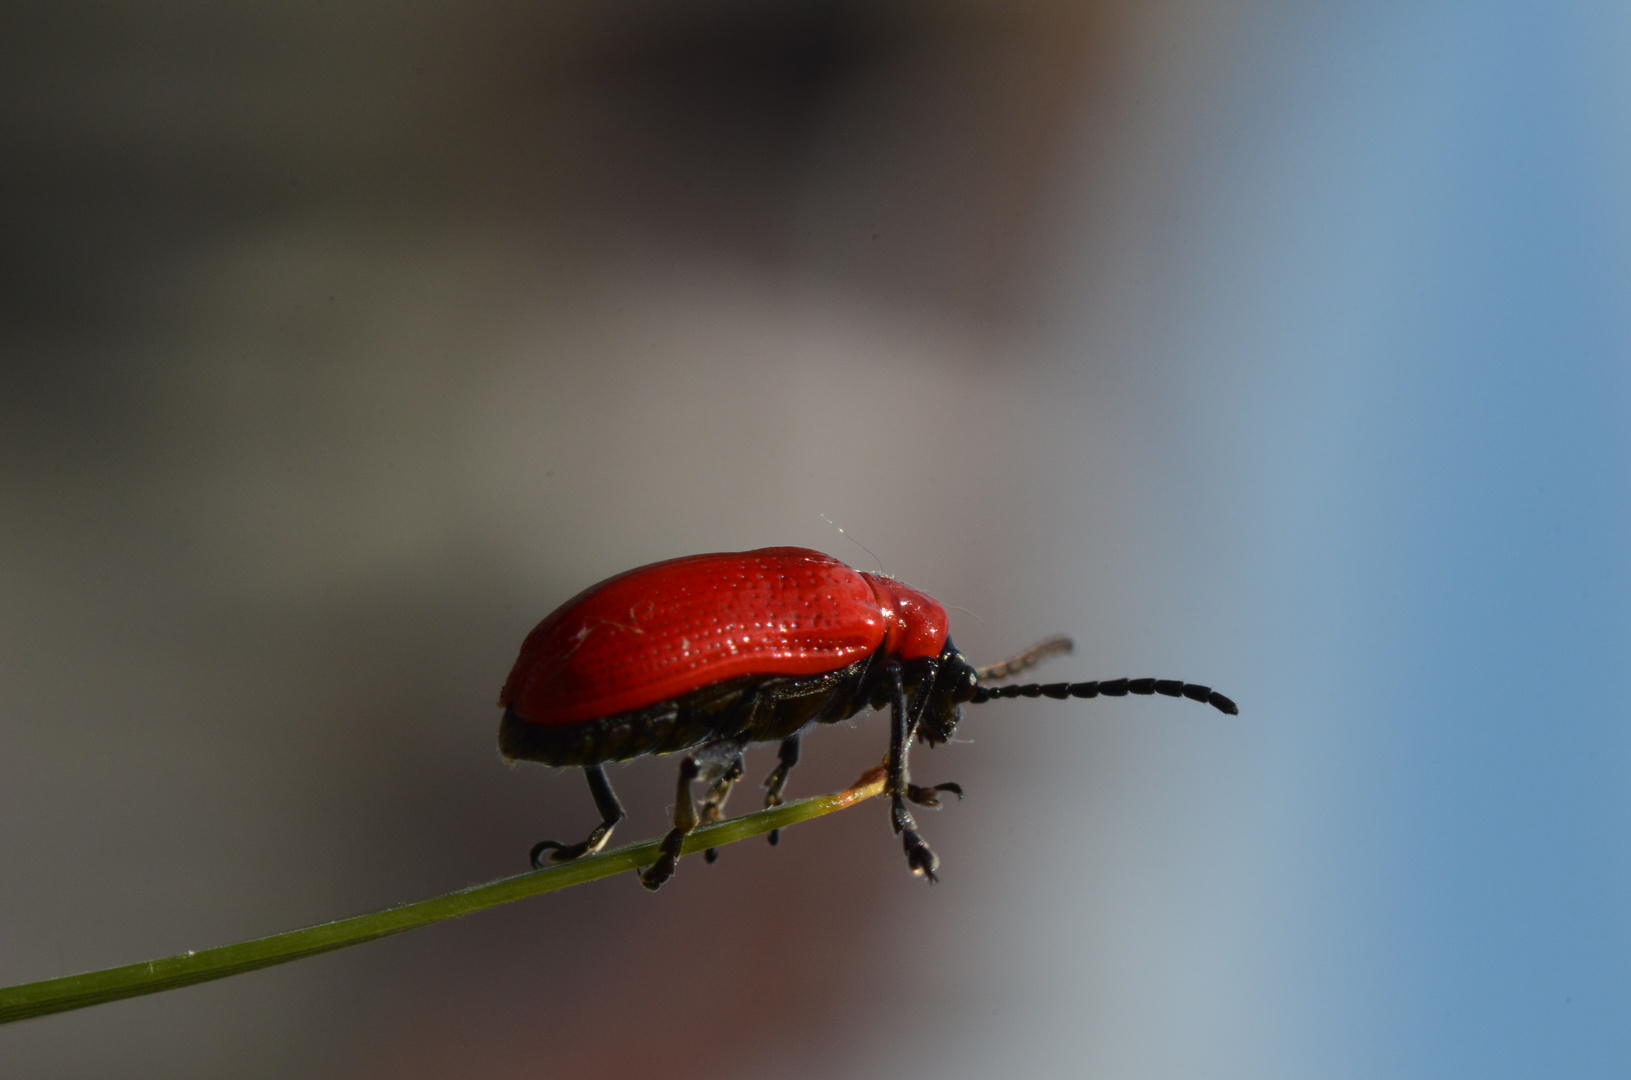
1111 688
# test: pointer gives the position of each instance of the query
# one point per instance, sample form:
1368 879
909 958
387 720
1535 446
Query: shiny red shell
667 629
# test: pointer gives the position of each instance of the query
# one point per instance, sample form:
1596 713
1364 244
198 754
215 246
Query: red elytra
667 629
709 653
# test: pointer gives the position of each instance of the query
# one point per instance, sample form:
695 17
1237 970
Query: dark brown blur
340 343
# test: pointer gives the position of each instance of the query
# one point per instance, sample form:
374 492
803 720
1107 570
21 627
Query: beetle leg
685 822
919 859
611 812
786 757
713 807
930 796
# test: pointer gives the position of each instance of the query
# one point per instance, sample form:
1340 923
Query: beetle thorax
915 624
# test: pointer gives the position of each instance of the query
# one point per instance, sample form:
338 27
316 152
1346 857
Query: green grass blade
133 980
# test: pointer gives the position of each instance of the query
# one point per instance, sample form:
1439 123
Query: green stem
132 980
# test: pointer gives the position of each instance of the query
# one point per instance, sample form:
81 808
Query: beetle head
954 683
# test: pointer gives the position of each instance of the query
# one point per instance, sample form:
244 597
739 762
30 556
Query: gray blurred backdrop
1275 348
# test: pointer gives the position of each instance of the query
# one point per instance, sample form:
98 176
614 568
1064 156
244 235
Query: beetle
705 654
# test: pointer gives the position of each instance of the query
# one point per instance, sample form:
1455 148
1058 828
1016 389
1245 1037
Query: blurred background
1275 347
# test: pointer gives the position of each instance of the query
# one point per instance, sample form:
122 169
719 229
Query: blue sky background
1383 355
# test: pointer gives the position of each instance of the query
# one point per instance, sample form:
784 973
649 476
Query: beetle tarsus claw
919 859
659 872
611 812
685 823
560 853
930 796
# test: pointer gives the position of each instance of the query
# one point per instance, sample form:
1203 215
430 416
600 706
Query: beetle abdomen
749 708
665 630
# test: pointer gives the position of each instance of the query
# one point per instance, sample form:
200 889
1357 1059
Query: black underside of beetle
747 709
717 721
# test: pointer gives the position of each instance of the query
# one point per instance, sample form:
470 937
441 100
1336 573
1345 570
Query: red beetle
708 653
